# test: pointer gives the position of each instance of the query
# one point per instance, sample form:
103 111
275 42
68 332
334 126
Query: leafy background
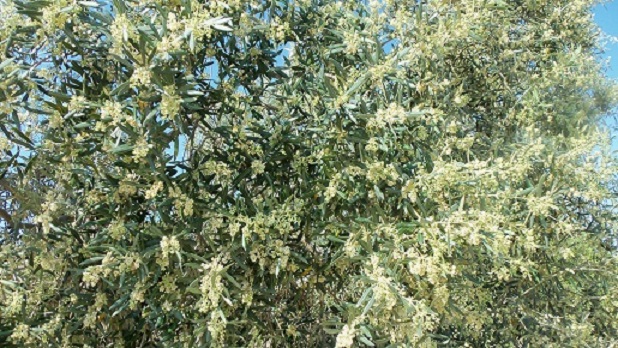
410 174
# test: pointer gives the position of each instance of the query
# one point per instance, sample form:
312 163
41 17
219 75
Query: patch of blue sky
606 16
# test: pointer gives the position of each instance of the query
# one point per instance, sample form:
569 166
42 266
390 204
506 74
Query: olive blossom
305 173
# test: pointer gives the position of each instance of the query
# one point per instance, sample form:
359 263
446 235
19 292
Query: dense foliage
305 173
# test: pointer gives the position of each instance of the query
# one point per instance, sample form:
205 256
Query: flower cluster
305 174
169 246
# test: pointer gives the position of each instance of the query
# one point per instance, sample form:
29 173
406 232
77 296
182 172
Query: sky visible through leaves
606 16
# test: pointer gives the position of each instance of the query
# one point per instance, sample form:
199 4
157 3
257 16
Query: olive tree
305 173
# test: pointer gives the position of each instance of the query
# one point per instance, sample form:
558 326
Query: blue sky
606 16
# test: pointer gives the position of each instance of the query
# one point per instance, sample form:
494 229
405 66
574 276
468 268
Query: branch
5 185
6 216
9 219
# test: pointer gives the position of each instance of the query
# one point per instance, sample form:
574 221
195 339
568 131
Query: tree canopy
305 173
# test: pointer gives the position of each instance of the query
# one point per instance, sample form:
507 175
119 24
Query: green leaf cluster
305 173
